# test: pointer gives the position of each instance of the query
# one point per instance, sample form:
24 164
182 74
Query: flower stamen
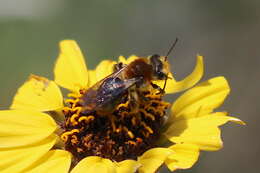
126 133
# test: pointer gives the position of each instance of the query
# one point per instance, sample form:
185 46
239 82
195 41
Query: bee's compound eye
157 67
156 62
161 76
155 58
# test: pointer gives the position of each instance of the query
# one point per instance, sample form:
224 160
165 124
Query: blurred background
225 32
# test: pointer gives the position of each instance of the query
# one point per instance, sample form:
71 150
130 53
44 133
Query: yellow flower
36 137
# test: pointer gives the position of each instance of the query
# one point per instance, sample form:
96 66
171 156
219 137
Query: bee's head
160 67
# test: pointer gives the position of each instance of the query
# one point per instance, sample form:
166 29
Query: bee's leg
161 91
142 97
133 101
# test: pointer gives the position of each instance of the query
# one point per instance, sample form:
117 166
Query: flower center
126 133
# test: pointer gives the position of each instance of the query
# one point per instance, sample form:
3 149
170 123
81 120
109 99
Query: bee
149 69
146 70
126 81
103 96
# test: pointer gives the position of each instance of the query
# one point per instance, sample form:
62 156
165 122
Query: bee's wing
108 99
113 95
97 96
112 75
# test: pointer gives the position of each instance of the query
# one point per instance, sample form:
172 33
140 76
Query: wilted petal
38 93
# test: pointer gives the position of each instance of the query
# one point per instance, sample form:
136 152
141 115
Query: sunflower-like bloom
42 133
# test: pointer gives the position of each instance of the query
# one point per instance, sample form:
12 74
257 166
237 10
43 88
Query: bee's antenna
171 48
165 59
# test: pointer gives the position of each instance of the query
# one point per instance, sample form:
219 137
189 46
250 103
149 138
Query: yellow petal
19 158
19 127
122 59
92 79
127 166
152 159
202 99
170 84
55 161
131 58
38 94
94 164
201 131
70 69
104 69
174 86
184 156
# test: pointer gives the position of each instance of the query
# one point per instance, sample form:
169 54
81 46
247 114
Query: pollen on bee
123 134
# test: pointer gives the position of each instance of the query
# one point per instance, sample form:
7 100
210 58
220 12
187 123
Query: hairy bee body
127 80
146 70
139 68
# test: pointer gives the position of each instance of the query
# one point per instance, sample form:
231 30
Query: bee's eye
155 60
160 75
155 56
158 67
156 63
